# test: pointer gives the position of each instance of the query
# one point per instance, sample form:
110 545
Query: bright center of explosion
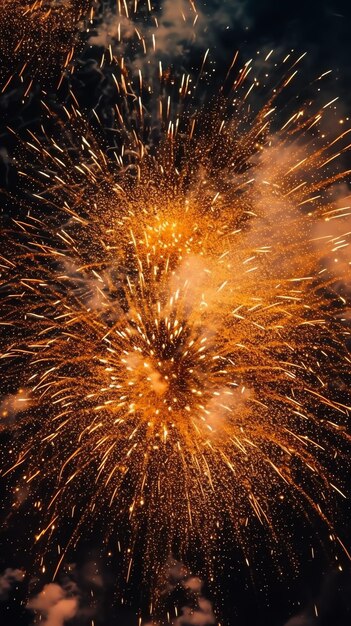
166 362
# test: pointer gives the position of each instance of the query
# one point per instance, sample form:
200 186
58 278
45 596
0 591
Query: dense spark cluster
39 35
175 316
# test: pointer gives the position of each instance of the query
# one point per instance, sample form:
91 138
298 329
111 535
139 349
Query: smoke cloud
8 579
197 610
54 605
203 616
170 34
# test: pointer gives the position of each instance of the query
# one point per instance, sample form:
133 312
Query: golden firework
176 318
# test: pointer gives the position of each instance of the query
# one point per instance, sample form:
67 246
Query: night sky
269 596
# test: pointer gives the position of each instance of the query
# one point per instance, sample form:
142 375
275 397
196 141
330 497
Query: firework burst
175 327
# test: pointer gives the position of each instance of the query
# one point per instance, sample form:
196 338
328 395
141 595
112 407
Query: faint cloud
8 579
54 605
14 403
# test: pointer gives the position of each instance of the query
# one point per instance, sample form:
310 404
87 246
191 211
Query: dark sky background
323 29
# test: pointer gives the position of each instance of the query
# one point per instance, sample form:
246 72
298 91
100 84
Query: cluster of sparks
36 35
176 323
